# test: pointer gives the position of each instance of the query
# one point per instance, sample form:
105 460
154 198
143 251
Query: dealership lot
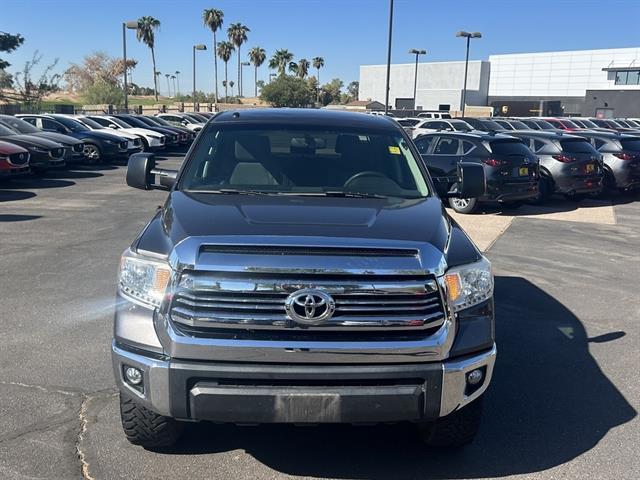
564 402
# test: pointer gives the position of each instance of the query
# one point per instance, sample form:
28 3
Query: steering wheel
365 174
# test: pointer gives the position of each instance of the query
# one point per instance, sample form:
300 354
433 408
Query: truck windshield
303 161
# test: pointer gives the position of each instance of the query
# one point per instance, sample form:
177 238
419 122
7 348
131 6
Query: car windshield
544 125
491 126
588 123
569 124
518 125
155 121
144 121
461 126
18 124
119 122
134 121
6 131
92 123
71 124
303 161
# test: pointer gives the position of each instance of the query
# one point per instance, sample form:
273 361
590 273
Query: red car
14 160
563 124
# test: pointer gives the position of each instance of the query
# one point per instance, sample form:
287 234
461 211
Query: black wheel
456 429
146 428
545 189
464 205
92 153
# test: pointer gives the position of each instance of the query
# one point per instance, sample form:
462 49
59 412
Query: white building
588 82
439 85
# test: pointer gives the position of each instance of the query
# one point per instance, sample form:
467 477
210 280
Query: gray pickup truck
302 270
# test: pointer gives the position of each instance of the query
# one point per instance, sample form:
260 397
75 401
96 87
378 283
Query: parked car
98 145
537 124
43 153
484 124
585 123
434 114
613 125
197 116
630 124
181 120
418 126
185 136
511 124
73 148
621 156
569 164
172 137
14 160
510 168
261 281
134 142
563 124
151 140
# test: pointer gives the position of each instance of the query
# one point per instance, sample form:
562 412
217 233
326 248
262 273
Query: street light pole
415 77
134 26
468 36
386 93
199 46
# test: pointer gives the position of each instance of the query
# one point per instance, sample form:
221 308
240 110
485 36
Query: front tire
92 153
146 428
456 429
545 190
464 205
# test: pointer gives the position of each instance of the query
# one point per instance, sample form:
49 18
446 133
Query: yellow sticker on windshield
394 150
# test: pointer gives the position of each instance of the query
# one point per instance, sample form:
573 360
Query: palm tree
238 35
293 68
178 79
214 19
158 75
146 34
303 67
173 80
318 63
257 56
225 49
280 60
167 75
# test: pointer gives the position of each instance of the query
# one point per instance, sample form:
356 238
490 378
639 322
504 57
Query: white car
134 142
180 120
418 126
151 140
434 114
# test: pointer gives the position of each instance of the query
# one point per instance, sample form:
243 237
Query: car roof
475 135
308 116
548 134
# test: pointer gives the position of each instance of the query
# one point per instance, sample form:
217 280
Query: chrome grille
205 301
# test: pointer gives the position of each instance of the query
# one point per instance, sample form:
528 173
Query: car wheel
146 428
456 429
545 189
92 153
463 205
145 145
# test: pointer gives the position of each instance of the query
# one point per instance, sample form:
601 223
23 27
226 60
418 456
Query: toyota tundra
302 270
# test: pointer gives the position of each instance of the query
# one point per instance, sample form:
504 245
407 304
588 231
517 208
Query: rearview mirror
142 172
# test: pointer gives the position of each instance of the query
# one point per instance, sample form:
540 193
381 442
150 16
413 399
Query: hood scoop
305 214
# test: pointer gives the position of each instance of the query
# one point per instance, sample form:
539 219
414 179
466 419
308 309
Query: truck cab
302 270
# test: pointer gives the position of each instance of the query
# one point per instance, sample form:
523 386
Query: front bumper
264 393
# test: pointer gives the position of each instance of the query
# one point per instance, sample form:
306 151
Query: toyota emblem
309 306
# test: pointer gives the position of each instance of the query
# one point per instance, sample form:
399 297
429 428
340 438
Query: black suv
483 124
302 270
511 169
569 164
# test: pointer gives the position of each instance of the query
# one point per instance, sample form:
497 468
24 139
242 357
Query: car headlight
143 279
469 285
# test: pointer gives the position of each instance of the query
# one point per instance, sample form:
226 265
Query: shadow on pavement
38 182
17 218
14 195
74 174
549 403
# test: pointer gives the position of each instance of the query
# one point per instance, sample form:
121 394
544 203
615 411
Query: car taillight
563 158
493 162
624 156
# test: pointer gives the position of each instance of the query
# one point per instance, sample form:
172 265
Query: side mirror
184 122
114 126
472 182
141 173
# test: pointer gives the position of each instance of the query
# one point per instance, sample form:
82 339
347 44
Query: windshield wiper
340 193
230 191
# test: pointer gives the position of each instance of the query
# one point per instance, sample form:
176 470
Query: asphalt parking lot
563 403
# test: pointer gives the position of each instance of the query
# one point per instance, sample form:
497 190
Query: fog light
133 375
474 377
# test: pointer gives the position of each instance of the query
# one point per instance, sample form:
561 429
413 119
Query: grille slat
206 302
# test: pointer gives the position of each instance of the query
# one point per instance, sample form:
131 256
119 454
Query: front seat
252 153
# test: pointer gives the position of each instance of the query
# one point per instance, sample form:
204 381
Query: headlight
469 285
143 279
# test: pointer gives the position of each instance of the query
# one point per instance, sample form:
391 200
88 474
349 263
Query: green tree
238 35
145 33
352 90
225 49
103 92
257 56
214 19
8 43
287 91
303 67
280 61
318 63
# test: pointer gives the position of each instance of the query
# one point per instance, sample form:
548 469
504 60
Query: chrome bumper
168 386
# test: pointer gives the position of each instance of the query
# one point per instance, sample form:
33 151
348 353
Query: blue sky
347 33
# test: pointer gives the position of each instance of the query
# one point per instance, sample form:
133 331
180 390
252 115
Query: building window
630 77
